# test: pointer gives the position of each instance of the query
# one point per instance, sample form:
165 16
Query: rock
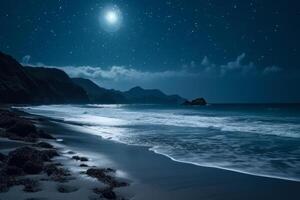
6 182
32 167
44 135
31 185
103 176
18 128
195 102
76 157
71 152
23 128
12 171
50 169
41 119
29 159
82 159
44 145
2 157
107 193
7 119
28 138
21 155
58 164
110 170
66 189
83 165
96 173
49 154
56 173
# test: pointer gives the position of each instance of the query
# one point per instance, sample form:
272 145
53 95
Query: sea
256 139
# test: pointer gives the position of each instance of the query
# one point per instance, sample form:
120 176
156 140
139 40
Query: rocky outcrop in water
196 102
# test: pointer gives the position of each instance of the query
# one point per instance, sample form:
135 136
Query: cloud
208 65
26 59
115 73
237 66
123 73
272 69
118 72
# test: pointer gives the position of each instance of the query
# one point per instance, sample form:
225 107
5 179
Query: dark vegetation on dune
39 85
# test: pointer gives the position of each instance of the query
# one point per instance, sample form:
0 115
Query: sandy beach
39 168
153 176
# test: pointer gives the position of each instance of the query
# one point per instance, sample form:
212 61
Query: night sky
226 51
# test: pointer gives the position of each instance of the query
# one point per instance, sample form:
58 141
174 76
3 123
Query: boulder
12 171
20 156
7 119
6 182
82 159
32 167
56 173
44 145
44 135
23 128
104 176
107 193
29 159
66 188
70 152
3 157
31 185
48 154
195 102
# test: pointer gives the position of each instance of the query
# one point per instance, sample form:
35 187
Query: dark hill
38 85
20 84
98 94
56 86
152 96
136 95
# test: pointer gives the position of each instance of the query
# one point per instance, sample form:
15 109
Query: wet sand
158 177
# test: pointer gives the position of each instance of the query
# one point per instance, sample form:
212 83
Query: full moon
111 18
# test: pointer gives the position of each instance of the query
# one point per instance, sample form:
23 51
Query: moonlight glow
111 18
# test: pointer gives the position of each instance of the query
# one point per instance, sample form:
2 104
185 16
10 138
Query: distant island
195 102
38 85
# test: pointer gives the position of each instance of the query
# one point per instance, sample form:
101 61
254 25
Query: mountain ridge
134 95
39 85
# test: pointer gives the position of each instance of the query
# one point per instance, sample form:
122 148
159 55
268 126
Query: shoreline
156 176
150 148
226 169
34 164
